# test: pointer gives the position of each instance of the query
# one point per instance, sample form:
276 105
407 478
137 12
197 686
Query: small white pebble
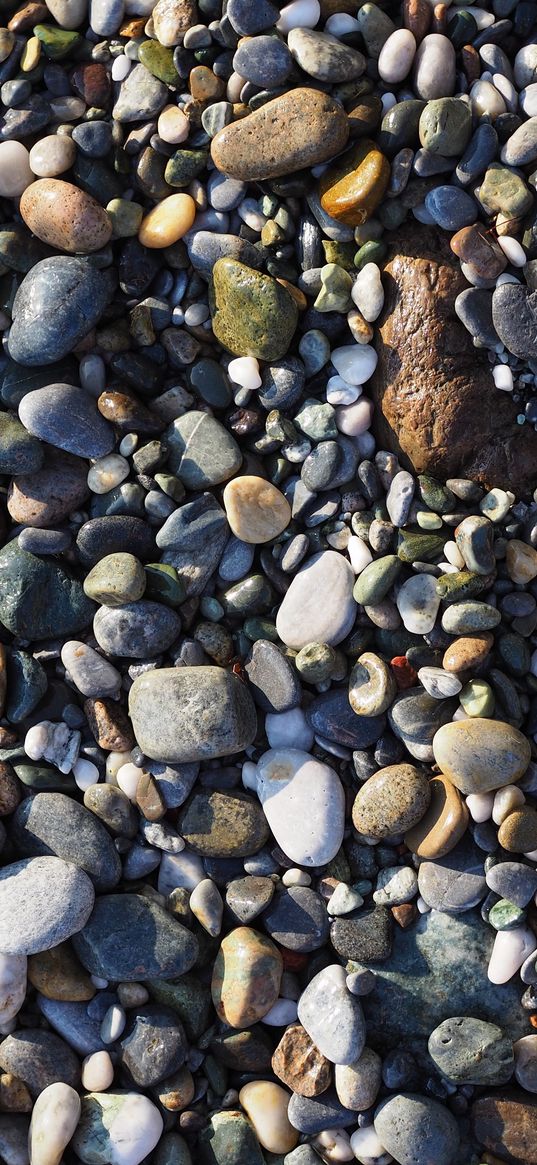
338 392
115 761
422 905
100 983
366 1145
85 774
532 857
334 1146
282 1012
97 1072
299 14
480 806
107 472
513 250
503 377
341 24
359 553
296 877
113 1024
505 800
245 371
121 68
251 215
127 779
453 555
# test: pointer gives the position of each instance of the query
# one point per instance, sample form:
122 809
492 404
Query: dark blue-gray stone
136 630
72 1022
273 683
141 96
44 541
38 599
52 823
129 937
479 153
58 302
154 1044
297 919
282 382
415 717
114 534
331 716
454 883
514 314
514 881
67 418
39 1058
206 247
312 1114
438 968
248 18
451 208
263 60
26 684
193 539
474 309
19 379
93 138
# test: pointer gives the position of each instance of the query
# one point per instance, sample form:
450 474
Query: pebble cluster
268 699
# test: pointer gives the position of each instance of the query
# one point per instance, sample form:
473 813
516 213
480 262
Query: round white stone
299 14
318 607
15 170
418 603
332 1016
355 362
367 290
511 948
107 472
304 803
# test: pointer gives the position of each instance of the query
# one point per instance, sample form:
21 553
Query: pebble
479 755
358 1084
319 606
415 1127
333 1017
65 217
246 977
114 1123
266 1106
58 302
167 222
256 511
164 949
391 801
191 714
299 1063
43 901
303 802
55 1116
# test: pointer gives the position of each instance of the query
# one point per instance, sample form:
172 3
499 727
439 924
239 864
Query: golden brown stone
109 724
133 28
391 801
14 1095
65 217
28 16
299 1064
518 833
57 974
167 222
353 188
256 511
468 651
176 1092
443 824
128 413
246 977
205 85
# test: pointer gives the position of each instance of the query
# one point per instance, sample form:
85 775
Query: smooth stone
189 714
518 832
67 417
467 617
27 684
514 881
266 1106
292 132
252 314
193 540
418 603
303 802
323 56
117 1128
39 1058
19 452
332 1016
318 606
330 715
391 801
58 302
415 718
229 1137
471 1051
163 949
273 682
443 824
154 1045
114 534
525 1051
352 189
300 1064
357 1084
366 938
513 315
296 919
222 824
55 1116
439 683
507 1124
246 977
65 217
371 685
57 975
202 452
376 580
434 67
49 494
453 883
450 208
51 823
116 579
263 60
256 510
141 96
479 755
410 994
136 630
43 900
247 897
417 1128
315 1114
205 248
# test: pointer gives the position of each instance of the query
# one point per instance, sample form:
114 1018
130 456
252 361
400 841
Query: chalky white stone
332 1016
97 1072
344 899
288 729
68 13
127 779
245 371
359 553
299 14
12 986
282 1013
505 800
354 420
338 392
438 683
366 1146
486 101
304 804
511 948
207 906
318 607
355 362
418 603
56 743
367 290
434 67
15 171
120 1128
334 1146
395 885
113 1024
503 378
52 155
55 1116
397 56
183 869
513 250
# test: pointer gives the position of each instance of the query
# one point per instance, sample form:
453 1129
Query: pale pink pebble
15 171
355 419
97 1072
173 125
505 800
511 948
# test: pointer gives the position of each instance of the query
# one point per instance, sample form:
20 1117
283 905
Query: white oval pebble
296 877
505 800
418 603
511 948
453 555
15 170
284 1011
55 1116
341 24
304 804
107 472
513 250
397 56
85 774
127 778
355 362
52 155
359 553
121 67
366 1145
338 392
367 290
354 420
245 371
503 378
97 1072
113 1024
485 100
299 14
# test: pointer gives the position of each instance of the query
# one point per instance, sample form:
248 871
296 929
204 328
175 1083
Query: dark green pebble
209 380
229 1139
435 495
44 779
452 588
190 998
250 596
38 600
371 252
419 547
172 1149
26 684
185 165
19 250
163 584
57 42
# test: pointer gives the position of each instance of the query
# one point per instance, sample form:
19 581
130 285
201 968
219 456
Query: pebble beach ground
268 582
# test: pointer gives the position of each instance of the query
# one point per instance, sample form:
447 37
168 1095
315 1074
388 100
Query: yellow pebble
255 509
266 1105
168 222
30 55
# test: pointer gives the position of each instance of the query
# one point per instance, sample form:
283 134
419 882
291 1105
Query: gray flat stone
43 901
58 302
191 713
129 937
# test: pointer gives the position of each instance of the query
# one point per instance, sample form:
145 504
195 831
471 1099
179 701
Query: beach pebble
332 1016
117 1127
43 900
55 1116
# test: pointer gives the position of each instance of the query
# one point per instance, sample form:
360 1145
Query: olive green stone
190 998
126 217
38 599
115 580
252 314
185 165
316 662
259 628
163 584
340 253
44 779
464 584
229 1139
57 42
435 495
19 451
477 698
445 126
371 252
419 547
223 824
171 486
250 596
428 521
159 61
505 915
504 190
317 420
335 293
373 584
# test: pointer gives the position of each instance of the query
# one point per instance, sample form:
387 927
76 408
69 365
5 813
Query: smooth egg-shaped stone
318 607
65 217
255 509
55 1116
42 902
396 56
168 221
117 1128
66 417
415 1129
266 1106
58 302
191 713
15 172
391 801
246 977
332 1016
478 754
354 187
304 804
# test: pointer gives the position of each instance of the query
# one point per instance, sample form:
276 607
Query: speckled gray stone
136 630
39 1058
471 1051
163 949
417 1129
38 599
58 302
52 823
43 901
454 883
191 713
154 1045
141 96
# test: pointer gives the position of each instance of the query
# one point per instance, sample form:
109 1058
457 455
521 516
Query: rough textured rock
438 408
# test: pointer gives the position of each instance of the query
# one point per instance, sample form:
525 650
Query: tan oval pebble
15 172
168 221
443 824
467 652
521 561
97 1072
246 977
266 1105
357 1084
65 217
57 974
299 1064
256 510
52 155
173 125
55 1116
479 754
391 801
518 833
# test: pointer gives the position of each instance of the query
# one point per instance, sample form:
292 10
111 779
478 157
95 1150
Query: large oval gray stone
417 1130
129 937
58 302
43 901
52 823
68 418
191 713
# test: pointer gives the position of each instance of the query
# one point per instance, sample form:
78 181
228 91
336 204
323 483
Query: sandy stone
467 652
391 801
300 1064
167 222
266 1105
443 824
479 755
518 833
65 217
57 974
521 561
255 509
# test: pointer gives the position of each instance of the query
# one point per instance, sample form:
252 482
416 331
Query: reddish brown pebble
475 245
92 82
417 17
405 914
109 725
467 652
148 798
10 789
127 413
507 1125
65 217
299 1064
471 63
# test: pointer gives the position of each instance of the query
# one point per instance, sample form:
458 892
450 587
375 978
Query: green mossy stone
189 998
229 1139
185 165
163 584
413 547
57 42
159 61
373 584
252 314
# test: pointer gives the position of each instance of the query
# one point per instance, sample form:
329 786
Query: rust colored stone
92 82
437 405
468 651
471 63
405 914
128 414
109 725
507 1125
148 798
299 1064
10 789
27 16
417 17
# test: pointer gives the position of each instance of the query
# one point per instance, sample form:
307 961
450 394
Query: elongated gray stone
43 901
318 607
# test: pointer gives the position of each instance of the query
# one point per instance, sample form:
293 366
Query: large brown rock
437 405
507 1125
